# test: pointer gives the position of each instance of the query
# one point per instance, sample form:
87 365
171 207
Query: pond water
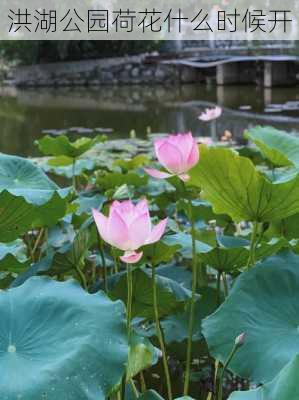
25 114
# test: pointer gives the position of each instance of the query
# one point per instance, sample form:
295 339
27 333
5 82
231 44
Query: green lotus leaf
59 342
288 227
264 304
283 387
176 326
235 187
179 274
60 161
87 201
13 256
280 147
113 180
72 255
253 153
35 269
161 190
184 242
202 210
122 192
130 393
142 355
61 234
136 162
233 252
172 297
150 395
17 216
62 146
84 204
49 213
28 198
20 177
64 167
6 279
229 253
160 252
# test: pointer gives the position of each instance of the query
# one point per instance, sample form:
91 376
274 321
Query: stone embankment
120 70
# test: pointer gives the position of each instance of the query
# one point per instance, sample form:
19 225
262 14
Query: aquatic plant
135 287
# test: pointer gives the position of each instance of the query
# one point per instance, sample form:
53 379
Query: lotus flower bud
240 340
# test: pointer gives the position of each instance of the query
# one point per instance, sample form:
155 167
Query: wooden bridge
235 66
266 67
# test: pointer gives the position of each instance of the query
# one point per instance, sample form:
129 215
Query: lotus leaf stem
192 304
129 299
160 335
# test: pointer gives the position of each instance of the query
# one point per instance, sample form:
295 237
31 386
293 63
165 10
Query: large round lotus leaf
264 303
59 342
235 187
283 387
21 177
28 198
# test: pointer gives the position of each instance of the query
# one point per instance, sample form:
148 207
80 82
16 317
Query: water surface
25 114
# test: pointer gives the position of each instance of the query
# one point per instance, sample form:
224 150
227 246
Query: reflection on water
24 114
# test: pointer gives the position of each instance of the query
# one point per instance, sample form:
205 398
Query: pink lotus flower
177 154
210 114
128 228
